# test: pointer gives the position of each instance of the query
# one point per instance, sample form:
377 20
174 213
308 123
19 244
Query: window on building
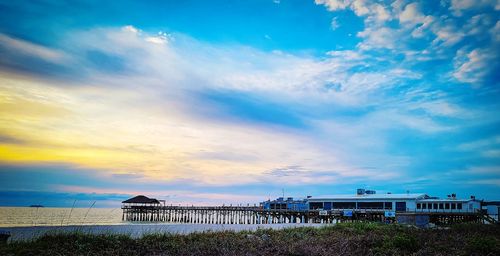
278 206
435 206
327 205
401 207
344 205
419 206
453 206
388 205
315 205
447 206
441 206
371 205
424 206
459 206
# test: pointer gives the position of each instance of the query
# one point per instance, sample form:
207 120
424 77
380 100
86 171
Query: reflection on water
44 216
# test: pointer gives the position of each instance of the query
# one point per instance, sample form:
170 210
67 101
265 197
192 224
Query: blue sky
211 102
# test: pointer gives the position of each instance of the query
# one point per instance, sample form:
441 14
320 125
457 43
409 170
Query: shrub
483 245
401 242
405 243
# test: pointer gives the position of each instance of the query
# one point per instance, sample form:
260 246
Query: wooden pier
144 209
212 215
256 215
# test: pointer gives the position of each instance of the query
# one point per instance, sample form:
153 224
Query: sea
48 216
26 223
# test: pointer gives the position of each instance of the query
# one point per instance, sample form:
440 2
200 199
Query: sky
235 102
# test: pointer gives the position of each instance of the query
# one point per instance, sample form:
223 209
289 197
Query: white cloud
25 47
378 37
398 5
478 25
481 175
335 23
442 108
494 182
411 14
381 12
492 154
447 33
495 32
459 6
421 30
334 5
155 40
480 144
161 38
360 7
484 170
489 148
130 28
473 66
371 9
347 55
395 119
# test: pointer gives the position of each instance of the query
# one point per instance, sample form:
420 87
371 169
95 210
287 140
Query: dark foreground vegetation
343 239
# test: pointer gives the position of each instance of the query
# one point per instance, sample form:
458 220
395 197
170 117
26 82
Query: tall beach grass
342 239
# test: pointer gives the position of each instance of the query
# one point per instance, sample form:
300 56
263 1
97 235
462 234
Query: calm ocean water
24 223
46 216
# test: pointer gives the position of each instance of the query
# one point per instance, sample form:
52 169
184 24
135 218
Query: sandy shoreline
137 230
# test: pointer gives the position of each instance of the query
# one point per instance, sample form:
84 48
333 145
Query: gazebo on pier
141 200
141 208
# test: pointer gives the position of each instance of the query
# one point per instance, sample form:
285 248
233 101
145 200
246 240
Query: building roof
446 200
370 197
140 199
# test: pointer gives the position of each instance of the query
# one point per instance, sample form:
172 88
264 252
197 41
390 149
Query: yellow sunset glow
122 131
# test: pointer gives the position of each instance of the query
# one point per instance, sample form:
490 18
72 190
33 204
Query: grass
342 239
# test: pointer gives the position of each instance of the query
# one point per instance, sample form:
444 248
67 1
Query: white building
370 201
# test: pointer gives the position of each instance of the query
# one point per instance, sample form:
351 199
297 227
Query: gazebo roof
141 200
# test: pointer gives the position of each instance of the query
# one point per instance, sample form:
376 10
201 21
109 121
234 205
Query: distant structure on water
410 208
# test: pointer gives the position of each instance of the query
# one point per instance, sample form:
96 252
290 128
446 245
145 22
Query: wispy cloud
15 45
126 118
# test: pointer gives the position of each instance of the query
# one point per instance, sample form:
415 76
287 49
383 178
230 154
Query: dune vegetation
342 239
